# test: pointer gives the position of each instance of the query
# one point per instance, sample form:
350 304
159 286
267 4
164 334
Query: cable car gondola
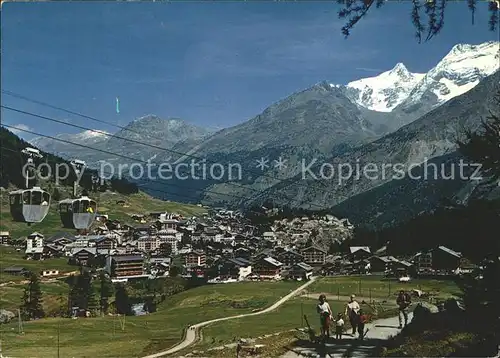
29 205
78 213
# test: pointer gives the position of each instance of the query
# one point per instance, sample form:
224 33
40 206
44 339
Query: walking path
193 332
379 331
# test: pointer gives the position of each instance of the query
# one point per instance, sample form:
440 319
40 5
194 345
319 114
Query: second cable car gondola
29 205
78 213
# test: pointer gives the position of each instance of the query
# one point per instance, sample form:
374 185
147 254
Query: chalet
16 271
195 258
83 256
49 273
267 268
445 259
237 268
340 266
242 252
61 239
380 263
361 266
423 262
262 254
172 238
439 259
400 268
290 258
143 230
314 256
167 222
4 237
148 243
34 246
51 250
269 236
241 239
300 271
196 236
125 266
101 230
359 253
155 215
138 217
105 243
116 225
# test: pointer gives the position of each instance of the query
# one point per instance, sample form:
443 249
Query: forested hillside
12 162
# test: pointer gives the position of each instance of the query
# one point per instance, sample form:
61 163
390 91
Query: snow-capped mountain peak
383 92
458 72
92 134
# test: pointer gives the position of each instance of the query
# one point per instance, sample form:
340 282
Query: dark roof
126 258
290 252
304 266
239 261
61 235
315 248
14 269
450 251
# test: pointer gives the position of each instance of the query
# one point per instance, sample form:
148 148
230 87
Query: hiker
325 315
351 311
339 326
403 301
363 319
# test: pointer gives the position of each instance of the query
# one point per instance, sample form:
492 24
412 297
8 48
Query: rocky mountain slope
64 148
365 120
134 140
430 137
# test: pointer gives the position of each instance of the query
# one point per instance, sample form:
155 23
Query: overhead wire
242 198
120 155
148 189
25 98
259 192
110 173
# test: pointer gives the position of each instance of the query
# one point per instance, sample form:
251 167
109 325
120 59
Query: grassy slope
103 336
158 331
377 287
288 316
139 203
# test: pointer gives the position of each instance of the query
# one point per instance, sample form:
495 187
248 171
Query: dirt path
193 332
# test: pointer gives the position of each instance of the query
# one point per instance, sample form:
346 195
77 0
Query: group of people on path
357 318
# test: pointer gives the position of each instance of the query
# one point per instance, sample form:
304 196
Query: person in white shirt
325 315
339 326
351 311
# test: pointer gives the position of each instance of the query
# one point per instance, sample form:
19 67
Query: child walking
339 327
363 319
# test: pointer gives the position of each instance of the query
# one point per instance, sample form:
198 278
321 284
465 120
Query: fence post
302 314
389 288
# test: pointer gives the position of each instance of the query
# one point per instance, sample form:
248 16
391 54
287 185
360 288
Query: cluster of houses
222 245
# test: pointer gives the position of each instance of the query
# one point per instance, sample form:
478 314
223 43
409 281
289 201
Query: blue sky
214 64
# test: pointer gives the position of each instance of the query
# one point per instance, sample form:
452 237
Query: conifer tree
32 304
106 291
122 300
354 10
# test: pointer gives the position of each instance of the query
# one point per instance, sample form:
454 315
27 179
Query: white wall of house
244 272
